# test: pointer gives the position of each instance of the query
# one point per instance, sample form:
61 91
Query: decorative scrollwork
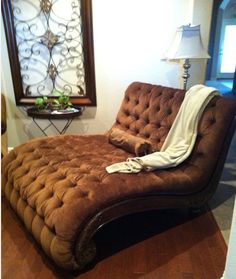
49 39
50 46
52 72
46 6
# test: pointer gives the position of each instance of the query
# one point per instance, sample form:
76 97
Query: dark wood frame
87 29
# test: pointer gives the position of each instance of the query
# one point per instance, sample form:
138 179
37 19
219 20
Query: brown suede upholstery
130 143
57 184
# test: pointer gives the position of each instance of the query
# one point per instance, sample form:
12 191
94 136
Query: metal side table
68 115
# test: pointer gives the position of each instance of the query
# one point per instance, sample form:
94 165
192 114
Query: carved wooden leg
85 254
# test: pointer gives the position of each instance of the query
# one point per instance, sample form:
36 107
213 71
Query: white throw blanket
181 138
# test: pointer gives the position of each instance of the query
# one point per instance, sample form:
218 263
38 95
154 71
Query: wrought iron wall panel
50 37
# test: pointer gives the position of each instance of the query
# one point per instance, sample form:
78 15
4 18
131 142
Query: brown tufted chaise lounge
61 191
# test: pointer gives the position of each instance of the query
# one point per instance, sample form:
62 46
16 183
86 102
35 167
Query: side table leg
61 132
42 130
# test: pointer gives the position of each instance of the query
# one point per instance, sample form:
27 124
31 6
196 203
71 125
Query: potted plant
41 103
60 103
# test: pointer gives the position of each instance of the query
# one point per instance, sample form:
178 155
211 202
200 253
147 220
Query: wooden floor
153 245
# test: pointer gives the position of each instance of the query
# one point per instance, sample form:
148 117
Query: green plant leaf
57 93
56 102
39 101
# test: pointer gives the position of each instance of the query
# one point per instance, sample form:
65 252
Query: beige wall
202 10
130 38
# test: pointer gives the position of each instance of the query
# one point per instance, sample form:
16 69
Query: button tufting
53 230
84 194
72 184
60 204
212 121
199 136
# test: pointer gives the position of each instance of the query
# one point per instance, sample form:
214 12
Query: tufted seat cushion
57 184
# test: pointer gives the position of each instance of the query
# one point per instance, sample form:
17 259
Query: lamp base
186 75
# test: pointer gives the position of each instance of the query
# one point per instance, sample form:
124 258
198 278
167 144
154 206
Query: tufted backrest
148 111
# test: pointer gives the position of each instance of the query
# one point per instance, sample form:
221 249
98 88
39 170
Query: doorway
226 59
221 67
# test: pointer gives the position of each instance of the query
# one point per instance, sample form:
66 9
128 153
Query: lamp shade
187 44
